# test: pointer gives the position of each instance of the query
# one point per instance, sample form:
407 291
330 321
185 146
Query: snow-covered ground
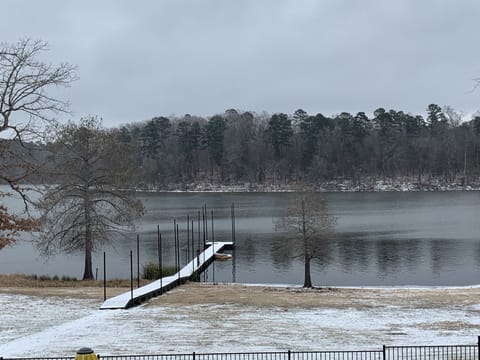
55 326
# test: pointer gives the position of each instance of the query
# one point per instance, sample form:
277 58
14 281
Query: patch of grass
151 271
44 278
44 281
68 278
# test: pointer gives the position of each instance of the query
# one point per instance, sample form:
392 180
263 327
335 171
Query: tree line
244 147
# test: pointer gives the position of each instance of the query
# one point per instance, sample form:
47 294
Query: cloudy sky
140 59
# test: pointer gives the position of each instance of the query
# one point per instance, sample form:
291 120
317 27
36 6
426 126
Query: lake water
380 239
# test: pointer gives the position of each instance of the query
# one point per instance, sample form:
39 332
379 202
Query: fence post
193 354
289 355
384 352
478 346
104 276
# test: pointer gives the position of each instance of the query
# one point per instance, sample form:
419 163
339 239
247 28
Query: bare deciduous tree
309 227
94 195
25 106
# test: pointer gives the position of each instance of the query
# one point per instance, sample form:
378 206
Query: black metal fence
439 352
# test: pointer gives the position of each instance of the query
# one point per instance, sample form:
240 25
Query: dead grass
338 298
21 280
40 286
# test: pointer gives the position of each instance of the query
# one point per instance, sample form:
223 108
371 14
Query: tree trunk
307 282
88 272
420 170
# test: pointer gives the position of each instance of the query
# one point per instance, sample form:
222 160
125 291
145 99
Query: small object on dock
222 257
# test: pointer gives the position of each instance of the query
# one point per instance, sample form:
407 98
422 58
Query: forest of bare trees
249 148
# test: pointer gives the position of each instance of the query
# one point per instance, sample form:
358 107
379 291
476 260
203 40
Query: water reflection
353 251
281 253
444 254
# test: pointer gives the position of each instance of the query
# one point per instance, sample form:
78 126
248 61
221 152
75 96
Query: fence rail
285 355
455 352
439 352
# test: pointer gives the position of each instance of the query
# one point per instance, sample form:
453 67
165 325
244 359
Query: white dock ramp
158 287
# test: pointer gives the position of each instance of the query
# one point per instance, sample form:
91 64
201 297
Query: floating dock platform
160 286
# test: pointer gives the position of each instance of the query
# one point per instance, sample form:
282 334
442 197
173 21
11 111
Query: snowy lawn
56 326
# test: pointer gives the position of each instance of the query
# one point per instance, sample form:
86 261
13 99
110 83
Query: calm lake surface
381 239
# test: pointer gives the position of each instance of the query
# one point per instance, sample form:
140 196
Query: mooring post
206 222
234 270
104 276
178 255
193 251
204 243
188 239
175 243
160 265
138 261
213 249
213 230
131 275
234 225
232 216
203 227
193 240
198 231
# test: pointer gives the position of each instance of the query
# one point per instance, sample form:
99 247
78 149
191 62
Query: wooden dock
160 286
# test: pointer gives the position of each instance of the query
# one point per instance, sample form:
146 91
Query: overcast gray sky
140 59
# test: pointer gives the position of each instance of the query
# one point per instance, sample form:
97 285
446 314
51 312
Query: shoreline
368 186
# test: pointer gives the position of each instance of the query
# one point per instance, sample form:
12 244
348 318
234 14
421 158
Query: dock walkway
160 286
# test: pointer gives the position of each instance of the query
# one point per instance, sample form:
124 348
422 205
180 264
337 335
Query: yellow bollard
85 353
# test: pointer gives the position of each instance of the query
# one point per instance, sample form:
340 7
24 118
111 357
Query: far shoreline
368 186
